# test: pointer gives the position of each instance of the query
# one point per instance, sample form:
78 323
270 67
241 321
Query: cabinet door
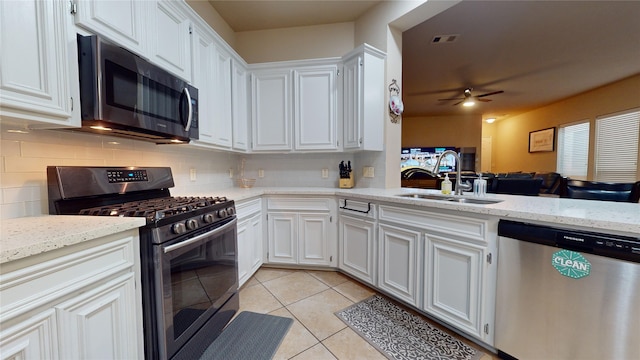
398 272
249 247
100 323
314 238
222 99
315 114
244 250
240 103
34 338
351 102
283 237
357 248
123 22
38 66
271 110
203 78
364 109
454 282
170 39
255 224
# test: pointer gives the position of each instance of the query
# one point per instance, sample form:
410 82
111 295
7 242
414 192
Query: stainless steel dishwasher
567 294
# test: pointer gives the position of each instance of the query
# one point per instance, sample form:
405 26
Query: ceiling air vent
445 39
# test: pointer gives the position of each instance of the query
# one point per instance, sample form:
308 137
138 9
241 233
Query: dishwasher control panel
614 246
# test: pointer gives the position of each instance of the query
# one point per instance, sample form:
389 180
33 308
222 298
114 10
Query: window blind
573 150
616 152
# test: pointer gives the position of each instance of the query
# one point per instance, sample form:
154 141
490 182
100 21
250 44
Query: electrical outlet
192 174
368 171
325 173
230 173
260 173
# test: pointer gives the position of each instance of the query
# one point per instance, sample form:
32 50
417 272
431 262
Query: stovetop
158 209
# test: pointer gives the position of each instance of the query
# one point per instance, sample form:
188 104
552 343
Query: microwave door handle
190 116
212 233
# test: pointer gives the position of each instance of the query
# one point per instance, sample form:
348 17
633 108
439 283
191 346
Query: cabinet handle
489 258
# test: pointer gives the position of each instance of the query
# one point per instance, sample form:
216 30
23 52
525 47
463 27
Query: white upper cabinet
315 108
271 110
240 105
363 97
169 37
38 67
295 106
203 78
222 121
122 21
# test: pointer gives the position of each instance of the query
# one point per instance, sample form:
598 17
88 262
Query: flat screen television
426 158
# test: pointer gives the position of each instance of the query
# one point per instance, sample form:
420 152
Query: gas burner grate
155 209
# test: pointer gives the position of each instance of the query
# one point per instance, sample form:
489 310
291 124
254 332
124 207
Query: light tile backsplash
25 157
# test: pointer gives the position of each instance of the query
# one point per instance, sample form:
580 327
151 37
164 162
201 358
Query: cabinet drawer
471 228
249 207
30 287
300 204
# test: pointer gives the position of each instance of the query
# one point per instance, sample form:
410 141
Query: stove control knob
222 213
208 218
192 224
231 211
179 228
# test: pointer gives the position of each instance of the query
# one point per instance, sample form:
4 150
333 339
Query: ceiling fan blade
458 103
491 93
484 100
450 99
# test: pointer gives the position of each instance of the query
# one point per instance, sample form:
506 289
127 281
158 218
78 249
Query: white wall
296 43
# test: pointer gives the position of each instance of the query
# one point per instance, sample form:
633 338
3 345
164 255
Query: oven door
199 274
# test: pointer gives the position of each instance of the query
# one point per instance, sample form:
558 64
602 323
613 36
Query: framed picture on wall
542 140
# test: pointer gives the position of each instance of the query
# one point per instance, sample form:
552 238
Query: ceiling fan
469 99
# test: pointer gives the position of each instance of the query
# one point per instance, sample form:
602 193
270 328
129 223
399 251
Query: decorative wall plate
395 105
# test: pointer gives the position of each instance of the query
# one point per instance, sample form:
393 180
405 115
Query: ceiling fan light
468 102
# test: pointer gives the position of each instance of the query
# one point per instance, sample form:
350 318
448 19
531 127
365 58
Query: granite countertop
23 237
602 216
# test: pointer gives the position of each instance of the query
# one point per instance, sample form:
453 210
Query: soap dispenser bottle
446 185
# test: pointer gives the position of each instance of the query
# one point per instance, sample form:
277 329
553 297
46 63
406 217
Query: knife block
347 183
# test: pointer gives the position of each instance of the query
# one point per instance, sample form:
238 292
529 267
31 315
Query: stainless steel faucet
459 185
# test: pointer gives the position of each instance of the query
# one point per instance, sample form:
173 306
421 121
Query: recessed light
490 120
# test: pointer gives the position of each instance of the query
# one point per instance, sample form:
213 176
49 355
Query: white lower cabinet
250 237
95 323
455 271
454 282
83 304
33 338
300 231
398 262
357 249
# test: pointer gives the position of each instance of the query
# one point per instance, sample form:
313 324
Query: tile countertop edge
591 215
24 237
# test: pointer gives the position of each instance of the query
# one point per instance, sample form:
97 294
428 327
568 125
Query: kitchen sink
462 200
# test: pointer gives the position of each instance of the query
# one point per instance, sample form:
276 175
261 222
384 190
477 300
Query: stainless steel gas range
188 250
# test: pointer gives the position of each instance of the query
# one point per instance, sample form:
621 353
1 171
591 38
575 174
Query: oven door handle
212 233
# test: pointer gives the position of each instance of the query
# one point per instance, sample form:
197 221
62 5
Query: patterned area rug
401 335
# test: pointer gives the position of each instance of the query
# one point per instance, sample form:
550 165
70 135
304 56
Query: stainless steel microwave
122 94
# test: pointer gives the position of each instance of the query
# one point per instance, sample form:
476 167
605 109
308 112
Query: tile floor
311 298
